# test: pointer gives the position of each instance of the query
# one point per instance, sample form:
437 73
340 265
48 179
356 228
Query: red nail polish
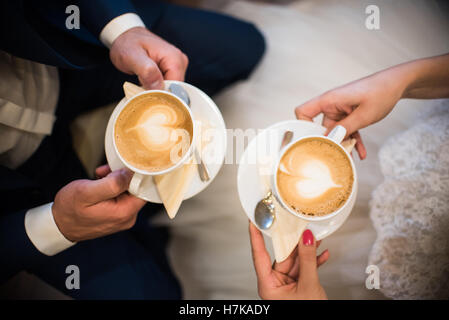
307 238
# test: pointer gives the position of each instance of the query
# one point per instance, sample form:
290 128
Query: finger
122 210
111 186
328 123
361 151
102 171
286 265
147 70
359 146
308 274
174 66
129 205
174 73
294 271
322 258
261 258
353 122
309 110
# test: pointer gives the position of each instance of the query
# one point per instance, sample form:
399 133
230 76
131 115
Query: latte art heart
158 128
314 177
153 132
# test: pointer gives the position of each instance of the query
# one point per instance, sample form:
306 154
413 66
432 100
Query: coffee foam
153 132
314 177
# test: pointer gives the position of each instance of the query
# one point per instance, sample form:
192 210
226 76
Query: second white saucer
265 148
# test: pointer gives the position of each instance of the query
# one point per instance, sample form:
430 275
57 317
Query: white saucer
251 188
203 109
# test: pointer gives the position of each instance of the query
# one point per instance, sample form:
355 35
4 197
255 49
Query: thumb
147 71
308 274
111 186
353 122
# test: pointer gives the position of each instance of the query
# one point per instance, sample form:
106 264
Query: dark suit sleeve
40 32
17 195
16 249
95 14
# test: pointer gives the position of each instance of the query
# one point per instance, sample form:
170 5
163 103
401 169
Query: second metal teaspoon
181 93
264 214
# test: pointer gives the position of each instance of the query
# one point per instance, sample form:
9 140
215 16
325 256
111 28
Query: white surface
204 110
251 188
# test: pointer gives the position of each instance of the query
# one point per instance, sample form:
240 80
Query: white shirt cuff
43 232
117 26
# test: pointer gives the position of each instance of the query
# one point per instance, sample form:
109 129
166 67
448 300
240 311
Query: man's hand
295 278
88 209
141 52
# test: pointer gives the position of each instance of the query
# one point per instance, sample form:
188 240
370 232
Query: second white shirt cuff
118 25
43 232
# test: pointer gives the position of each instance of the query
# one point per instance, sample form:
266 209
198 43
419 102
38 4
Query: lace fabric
410 210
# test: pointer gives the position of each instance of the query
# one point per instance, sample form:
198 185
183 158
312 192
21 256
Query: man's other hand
139 51
88 209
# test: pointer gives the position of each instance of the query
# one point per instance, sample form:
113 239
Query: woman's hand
355 105
295 278
369 100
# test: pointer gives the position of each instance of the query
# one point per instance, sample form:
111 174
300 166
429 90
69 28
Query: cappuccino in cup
314 177
153 132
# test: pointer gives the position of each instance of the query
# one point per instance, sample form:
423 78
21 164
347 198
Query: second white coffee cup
335 137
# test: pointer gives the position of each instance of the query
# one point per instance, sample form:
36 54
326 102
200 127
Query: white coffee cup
139 174
335 137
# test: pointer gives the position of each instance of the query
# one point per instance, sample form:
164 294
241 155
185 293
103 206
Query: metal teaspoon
181 93
264 214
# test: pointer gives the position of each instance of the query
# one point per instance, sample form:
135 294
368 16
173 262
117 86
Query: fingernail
307 238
